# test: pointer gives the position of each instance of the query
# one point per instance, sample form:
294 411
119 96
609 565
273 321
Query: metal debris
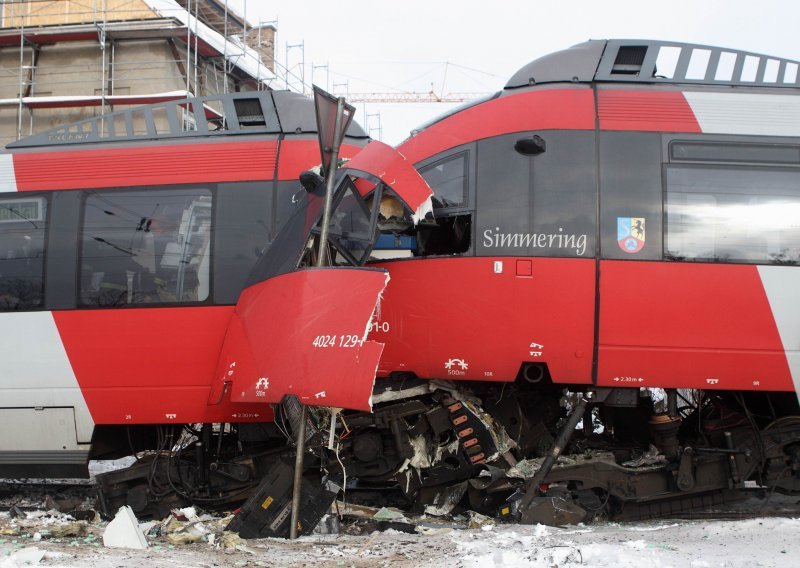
446 500
651 457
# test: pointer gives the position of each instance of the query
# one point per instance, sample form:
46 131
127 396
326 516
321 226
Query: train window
448 180
352 225
733 214
146 247
696 151
23 223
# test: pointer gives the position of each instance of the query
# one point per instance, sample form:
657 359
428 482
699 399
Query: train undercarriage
527 451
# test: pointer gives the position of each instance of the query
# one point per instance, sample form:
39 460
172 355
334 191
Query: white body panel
36 373
746 113
782 285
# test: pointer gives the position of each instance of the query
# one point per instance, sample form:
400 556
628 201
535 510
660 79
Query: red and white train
123 253
622 219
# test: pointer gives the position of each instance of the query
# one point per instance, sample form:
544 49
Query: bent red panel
302 333
481 318
563 109
687 325
393 169
150 365
146 165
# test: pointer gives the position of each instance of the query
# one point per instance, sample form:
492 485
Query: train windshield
352 234
362 198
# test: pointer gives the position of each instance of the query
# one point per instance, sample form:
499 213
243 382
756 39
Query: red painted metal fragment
393 169
303 333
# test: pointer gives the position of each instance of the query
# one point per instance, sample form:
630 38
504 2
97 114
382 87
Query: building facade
67 60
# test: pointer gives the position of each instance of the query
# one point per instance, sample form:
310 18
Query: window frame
47 199
211 188
469 152
729 166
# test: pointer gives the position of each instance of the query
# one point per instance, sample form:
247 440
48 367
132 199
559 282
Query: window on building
733 214
146 247
23 223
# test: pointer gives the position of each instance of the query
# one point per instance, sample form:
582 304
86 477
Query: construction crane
413 97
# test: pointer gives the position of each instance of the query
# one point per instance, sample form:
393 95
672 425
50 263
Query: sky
470 46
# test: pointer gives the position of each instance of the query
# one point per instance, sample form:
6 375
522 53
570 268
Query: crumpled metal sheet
393 169
304 333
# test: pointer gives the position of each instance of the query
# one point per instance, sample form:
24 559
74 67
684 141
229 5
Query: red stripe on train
151 365
651 111
146 165
688 325
562 109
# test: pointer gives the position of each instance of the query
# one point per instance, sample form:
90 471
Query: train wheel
781 470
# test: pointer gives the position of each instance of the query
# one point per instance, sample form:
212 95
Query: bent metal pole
321 260
322 251
298 471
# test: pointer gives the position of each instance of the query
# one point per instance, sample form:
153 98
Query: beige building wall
83 68
32 14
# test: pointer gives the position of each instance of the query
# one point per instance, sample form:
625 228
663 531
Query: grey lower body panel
38 464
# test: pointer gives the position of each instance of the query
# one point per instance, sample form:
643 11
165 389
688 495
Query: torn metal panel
303 333
445 499
392 168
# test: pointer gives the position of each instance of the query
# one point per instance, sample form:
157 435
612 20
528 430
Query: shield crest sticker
630 234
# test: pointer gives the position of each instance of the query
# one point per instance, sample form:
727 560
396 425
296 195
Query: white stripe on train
746 113
36 373
8 178
781 284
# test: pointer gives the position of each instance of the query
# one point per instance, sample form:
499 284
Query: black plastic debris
267 513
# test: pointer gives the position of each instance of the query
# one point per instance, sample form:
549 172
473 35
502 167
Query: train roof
254 112
649 61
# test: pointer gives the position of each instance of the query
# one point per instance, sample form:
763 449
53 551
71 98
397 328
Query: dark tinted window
691 151
536 205
351 226
23 222
733 214
448 180
146 247
242 223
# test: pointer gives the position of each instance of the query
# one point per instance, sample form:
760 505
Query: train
126 240
572 299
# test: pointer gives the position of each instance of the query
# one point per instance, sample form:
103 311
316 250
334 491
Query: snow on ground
694 544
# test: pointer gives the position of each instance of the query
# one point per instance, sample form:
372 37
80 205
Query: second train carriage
622 216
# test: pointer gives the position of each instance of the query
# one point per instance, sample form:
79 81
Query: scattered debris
446 499
388 514
478 521
70 529
25 557
124 532
232 541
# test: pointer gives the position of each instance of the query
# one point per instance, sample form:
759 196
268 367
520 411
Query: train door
506 266
700 245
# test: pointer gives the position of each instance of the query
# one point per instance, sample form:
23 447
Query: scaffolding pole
225 52
21 64
189 47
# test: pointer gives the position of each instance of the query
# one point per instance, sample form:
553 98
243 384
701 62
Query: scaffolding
202 49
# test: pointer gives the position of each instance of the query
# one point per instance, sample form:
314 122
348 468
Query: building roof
232 48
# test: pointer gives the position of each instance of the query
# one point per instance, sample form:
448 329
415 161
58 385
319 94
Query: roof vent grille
629 60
